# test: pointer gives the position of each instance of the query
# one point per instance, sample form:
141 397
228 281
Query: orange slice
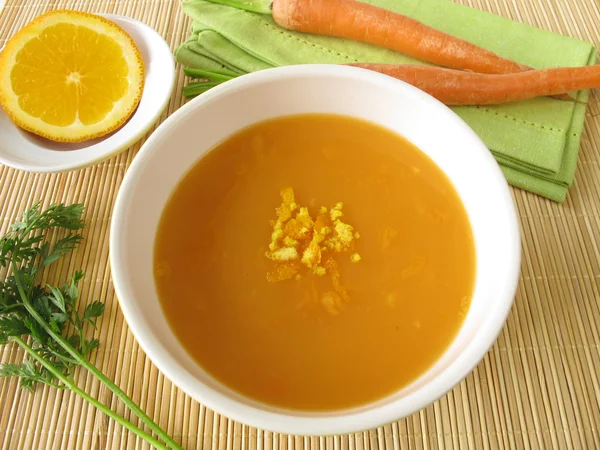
70 76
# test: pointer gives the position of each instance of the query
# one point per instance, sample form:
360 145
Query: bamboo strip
538 388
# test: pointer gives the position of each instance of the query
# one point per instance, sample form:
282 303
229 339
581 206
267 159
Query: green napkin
535 142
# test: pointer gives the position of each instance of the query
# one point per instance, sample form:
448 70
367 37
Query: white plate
26 151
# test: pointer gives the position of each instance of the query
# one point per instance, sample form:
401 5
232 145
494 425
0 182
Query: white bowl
26 151
198 126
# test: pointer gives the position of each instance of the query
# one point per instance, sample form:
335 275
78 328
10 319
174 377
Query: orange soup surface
355 323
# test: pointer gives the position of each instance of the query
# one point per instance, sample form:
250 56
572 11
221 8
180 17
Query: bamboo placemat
539 386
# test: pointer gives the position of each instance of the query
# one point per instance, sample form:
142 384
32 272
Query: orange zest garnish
300 244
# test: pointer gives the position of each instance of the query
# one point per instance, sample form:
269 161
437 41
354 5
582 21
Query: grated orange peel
70 76
299 241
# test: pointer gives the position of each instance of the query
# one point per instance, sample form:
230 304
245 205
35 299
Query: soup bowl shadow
207 120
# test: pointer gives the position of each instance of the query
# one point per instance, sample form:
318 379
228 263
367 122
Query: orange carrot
457 87
359 21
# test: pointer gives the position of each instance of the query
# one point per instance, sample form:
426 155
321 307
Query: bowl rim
335 422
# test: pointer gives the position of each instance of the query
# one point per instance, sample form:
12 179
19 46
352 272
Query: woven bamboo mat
539 386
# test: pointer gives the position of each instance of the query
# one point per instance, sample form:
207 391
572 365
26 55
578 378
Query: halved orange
70 76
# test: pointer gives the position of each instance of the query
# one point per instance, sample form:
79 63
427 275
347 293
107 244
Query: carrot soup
315 262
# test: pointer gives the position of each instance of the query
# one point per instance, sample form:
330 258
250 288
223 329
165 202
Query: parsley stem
65 358
73 387
7 309
197 88
256 6
211 76
90 367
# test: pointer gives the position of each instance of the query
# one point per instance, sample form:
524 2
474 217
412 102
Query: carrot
457 87
362 22
359 21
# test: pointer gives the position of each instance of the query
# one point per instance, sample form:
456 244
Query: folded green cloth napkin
536 142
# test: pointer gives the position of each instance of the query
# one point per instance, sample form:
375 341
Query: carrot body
359 21
456 87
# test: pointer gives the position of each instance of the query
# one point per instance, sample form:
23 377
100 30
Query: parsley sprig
45 321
